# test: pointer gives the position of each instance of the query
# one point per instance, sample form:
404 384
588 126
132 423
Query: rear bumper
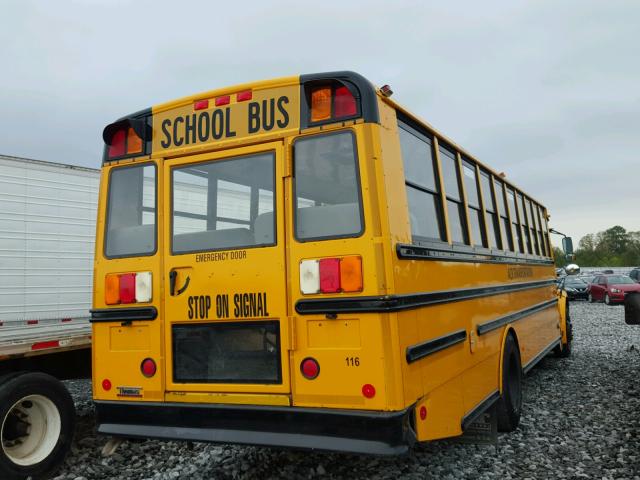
355 431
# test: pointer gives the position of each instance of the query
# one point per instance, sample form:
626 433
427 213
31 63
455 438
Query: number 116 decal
353 361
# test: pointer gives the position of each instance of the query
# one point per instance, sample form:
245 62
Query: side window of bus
524 222
543 244
502 210
455 206
476 222
131 212
493 233
545 232
511 200
327 187
223 204
421 183
533 226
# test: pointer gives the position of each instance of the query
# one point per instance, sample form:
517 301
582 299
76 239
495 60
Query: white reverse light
309 276
143 287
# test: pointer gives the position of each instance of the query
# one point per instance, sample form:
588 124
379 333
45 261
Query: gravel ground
581 420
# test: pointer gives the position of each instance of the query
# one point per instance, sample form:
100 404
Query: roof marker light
201 104
244 96
224 100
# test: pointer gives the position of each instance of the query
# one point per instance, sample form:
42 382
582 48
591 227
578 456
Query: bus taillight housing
126 138
126 288
332 102
331 275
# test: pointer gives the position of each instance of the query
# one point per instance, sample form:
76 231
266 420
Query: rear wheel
510 402
37 418
590 298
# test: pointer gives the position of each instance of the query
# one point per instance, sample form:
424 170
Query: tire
509 405
590 298
37 420
565 350
607 300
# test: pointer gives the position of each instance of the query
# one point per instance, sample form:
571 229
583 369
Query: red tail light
310 368
128 288
344 103
330 275
117 146
106 384
148 367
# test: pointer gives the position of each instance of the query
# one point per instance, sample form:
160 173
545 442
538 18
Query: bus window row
453 199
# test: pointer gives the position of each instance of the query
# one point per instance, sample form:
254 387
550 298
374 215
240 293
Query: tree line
614 247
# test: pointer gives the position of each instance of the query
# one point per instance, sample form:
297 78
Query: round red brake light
106 384
368 390
309 368
148 367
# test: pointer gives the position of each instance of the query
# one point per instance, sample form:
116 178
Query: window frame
461 203
473 166
410 128
294 196
498 235
108 210
173 168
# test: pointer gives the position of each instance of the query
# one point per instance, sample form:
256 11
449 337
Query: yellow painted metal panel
228 398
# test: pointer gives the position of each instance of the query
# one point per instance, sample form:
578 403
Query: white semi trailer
47 232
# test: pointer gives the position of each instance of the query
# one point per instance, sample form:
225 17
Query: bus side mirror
567 246
632 308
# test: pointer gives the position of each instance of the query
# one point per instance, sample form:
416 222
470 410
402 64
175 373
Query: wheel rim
30 430
606 299
590 298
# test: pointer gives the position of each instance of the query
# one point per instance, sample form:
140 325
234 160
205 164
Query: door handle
173 278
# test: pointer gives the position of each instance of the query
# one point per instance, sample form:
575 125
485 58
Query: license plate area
227 352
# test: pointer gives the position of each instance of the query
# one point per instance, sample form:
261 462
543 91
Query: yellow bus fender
505 335
562 310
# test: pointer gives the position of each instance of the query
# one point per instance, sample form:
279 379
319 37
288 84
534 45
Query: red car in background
611 289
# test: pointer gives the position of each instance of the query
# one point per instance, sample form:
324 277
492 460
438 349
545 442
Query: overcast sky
546 91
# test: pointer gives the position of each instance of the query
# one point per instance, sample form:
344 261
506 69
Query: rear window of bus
131 212
224 204
327 187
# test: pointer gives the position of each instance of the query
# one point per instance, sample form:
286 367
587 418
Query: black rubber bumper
355 431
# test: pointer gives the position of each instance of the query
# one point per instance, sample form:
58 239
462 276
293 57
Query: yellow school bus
304 263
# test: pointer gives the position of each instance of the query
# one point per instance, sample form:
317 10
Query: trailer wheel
37 418
510 402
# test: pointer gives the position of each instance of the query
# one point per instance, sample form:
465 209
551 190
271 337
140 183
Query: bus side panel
534 333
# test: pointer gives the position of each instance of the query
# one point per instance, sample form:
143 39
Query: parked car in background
575 287
635 274
611 289
588 278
